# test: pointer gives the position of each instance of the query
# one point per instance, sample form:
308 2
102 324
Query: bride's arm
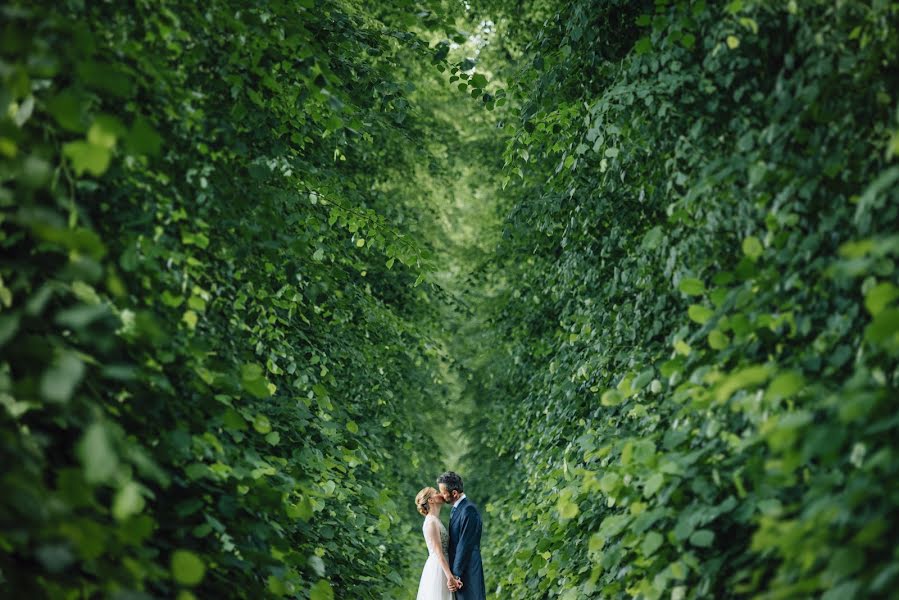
433 533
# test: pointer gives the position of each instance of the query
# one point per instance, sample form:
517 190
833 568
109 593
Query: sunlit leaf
321 591
879 297
653 484
87 157
700 314
752 247
128 501
97 455
59 381
691 286
187 568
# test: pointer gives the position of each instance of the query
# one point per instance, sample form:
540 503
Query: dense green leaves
704 192
224 332
210 382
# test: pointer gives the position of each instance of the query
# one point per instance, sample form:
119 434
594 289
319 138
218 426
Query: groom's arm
469 524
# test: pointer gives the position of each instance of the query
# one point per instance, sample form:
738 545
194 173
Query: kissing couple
453 570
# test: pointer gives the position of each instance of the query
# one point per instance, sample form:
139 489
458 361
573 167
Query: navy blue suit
465 551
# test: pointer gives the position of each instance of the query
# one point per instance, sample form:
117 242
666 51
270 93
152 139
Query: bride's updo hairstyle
422 500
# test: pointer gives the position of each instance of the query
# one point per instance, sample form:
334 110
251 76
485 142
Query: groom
465 541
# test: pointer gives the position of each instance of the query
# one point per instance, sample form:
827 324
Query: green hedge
694 377
215 353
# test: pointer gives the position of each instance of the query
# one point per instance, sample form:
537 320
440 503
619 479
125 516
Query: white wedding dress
433 581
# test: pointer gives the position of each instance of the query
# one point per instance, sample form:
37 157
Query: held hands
454 584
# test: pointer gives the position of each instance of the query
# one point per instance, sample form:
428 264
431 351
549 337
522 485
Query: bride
436 572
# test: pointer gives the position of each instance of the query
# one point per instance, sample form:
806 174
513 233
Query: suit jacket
465 551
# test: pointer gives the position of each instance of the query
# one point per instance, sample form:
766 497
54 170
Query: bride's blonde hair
421 500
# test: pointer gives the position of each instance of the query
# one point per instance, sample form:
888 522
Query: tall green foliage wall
215 347
692 386
220 354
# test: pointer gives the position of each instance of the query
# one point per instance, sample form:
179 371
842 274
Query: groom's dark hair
451 480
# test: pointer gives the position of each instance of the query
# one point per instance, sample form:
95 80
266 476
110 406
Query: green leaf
128 502
190 318
68 108
749 24
884 328
98 458
234 420
261 424
652 238
81 315
613 525
653 484
352 427
143 139
643 379
691 286
87 158
718 340
752 247
567 508
700 314
59 381
196 303
170 299
879 297
478 80
187 567
317 564
300 510
643 45
321 591
744 378
785 385
702 538
771 507
198 239
253 381
612 398
651 542
644 451
275 586
104 132
610 482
